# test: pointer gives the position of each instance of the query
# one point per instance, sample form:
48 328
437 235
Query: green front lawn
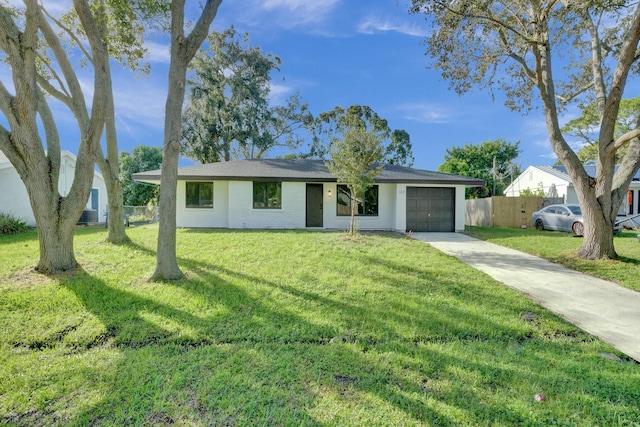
290 328
561 248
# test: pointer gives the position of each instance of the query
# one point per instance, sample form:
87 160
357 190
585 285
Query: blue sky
345 52
339 52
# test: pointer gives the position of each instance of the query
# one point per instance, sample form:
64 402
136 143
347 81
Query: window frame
367 195
266 200
200 198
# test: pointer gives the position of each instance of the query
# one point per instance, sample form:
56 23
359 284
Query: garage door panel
430 209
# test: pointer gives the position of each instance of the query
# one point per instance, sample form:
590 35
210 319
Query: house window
367 205
199 195
267 195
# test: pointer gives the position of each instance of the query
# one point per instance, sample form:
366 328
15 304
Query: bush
9 224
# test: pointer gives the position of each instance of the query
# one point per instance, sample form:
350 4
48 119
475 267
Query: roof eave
155 179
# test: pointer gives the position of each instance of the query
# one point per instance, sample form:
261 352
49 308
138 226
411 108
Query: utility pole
495 176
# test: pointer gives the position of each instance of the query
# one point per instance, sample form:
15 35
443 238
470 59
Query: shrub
9 224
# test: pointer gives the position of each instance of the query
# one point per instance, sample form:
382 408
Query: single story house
555 182
296 194
15 200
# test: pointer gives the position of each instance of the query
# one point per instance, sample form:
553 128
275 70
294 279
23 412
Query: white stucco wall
385 220
532 178
15 200
13 196
243 215
233 208
218 216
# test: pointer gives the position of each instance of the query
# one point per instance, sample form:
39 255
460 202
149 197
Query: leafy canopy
228 115
330 125
586 128
141 159
491 161
550 54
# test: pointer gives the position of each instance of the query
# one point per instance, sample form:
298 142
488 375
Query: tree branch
5 101
53 91
201 29
489 18
618 82
52 137
571 97
70 33
55 75
624 139
77 105
596 63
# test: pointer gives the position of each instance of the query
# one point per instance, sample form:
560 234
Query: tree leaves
477 161
228 115
331 124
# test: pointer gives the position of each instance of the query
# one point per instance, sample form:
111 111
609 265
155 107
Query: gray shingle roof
301 170
591 171
556 171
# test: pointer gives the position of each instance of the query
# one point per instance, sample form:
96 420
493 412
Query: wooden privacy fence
501 211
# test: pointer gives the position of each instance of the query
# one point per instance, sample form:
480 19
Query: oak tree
555 52
29 43
228 113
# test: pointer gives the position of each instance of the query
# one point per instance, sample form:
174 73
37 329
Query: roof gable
301 170
64 155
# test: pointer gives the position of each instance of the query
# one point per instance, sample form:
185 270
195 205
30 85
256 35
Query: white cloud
426 112
157 52
300 11
535 127
372 25
140 101
278 93
287 14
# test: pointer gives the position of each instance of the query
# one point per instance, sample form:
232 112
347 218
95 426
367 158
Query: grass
561 248
290 328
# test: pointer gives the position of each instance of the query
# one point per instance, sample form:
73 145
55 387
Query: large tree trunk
56 217
38 164
56 245
598 235
182 51
115 211
110 172
594 195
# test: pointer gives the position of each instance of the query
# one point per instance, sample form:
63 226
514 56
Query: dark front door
314 205
430 209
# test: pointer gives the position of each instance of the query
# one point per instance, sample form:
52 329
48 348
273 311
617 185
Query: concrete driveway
601 308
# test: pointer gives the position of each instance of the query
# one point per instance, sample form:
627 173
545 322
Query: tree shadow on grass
231 348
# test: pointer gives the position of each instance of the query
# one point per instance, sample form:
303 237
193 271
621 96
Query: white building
15 200
296 194
555 182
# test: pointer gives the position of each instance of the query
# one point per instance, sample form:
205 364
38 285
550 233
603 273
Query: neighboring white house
295 194
555 182
15 200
